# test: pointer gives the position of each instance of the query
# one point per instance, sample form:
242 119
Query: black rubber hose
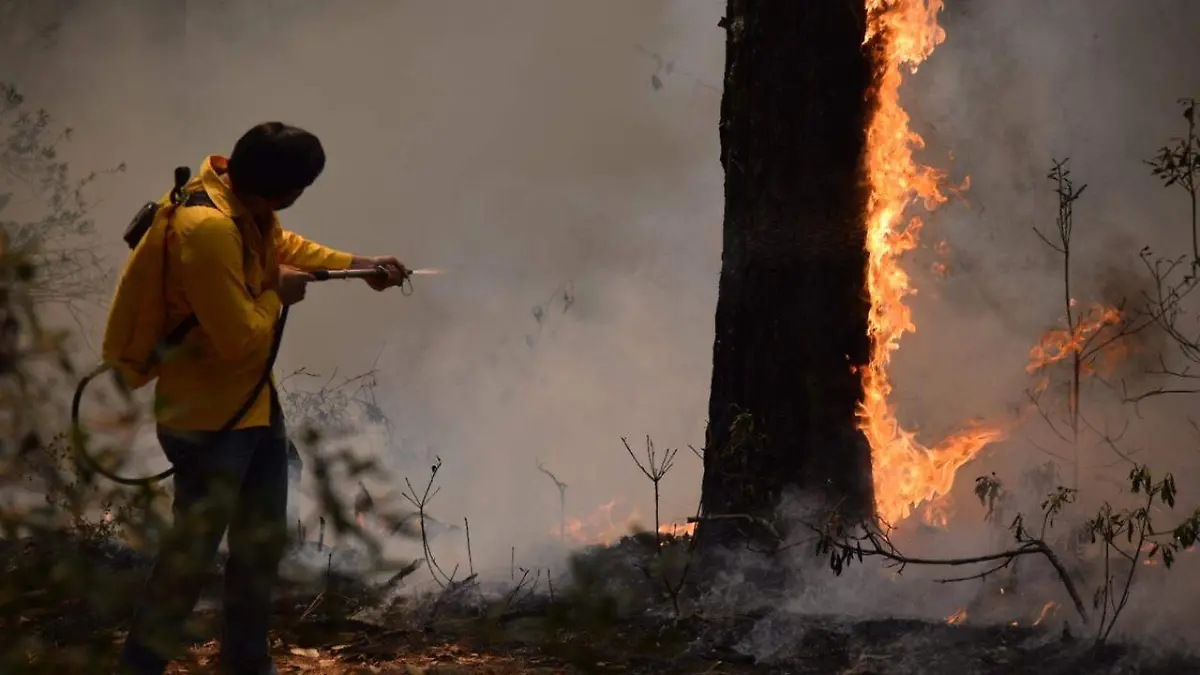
77 432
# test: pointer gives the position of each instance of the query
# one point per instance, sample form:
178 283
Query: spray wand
375 273
325 275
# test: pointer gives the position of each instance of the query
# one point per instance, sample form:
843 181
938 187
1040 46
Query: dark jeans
236 480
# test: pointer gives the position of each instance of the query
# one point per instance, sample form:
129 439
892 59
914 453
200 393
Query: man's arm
296 251
215 286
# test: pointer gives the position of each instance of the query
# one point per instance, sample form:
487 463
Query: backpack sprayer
137 229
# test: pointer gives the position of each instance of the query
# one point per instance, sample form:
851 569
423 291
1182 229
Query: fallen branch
843 547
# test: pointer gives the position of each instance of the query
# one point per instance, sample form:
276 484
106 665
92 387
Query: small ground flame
602 528
678 529
1046 609
957 617
906 472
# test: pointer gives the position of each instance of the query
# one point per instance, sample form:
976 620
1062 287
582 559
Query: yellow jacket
220 265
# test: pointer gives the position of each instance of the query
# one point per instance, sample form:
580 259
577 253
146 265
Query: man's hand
292 285
396 271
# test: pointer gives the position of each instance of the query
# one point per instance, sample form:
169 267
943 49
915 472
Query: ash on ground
610 610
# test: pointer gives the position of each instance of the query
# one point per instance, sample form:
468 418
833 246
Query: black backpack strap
198 198
179 332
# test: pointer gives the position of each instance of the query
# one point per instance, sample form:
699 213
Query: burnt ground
578 631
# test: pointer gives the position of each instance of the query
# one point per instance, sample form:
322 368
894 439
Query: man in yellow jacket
221 256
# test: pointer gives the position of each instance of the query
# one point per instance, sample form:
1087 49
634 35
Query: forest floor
325 633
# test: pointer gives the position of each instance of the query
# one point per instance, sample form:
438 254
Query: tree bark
791 319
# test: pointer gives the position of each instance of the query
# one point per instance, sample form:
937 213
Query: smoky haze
522 148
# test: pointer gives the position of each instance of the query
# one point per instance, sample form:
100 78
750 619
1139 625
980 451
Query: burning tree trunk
792 310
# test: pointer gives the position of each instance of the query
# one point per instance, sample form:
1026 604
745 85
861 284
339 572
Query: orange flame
678 529
957 617
936 514
906 472
1060 343
1045 610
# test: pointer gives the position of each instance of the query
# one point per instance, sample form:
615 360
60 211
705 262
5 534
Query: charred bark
791 320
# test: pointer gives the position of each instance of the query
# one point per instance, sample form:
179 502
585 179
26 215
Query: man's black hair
274 159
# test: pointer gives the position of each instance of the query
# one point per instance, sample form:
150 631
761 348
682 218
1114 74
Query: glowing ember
939 267
906 472
957 617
